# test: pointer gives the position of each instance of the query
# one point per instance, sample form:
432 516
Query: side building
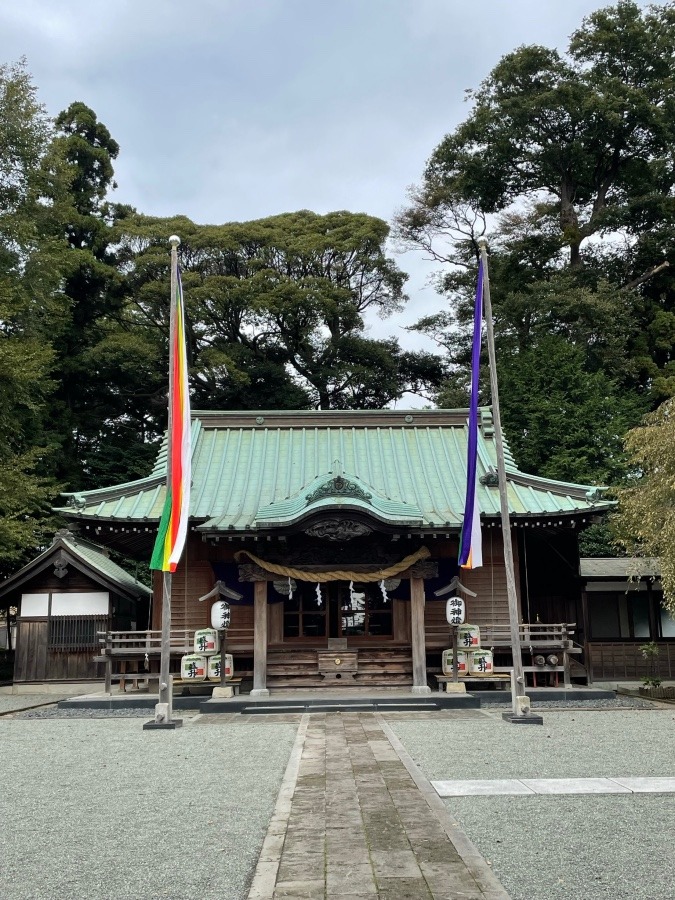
623 610
64 598
297 511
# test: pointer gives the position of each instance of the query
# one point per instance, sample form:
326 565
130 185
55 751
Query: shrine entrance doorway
358 612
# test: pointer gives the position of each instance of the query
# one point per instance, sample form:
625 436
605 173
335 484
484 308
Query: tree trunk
569 222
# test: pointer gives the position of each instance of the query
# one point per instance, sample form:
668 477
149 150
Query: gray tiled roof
621 567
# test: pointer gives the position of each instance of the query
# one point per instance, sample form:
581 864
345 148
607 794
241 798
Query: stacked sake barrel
205 663
472 659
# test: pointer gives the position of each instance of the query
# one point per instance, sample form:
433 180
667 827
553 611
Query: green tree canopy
566 161
31 270
589 133
277 309
645 523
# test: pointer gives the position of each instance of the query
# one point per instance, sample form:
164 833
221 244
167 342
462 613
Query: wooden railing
536 636
136 647
138 643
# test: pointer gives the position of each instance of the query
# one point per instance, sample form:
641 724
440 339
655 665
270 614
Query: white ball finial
482 242
174 239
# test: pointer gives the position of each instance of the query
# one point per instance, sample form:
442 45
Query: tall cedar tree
31 268
98 422
568 158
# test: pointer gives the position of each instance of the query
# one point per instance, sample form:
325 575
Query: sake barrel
214 667
207 641
462 662
481 662
193 667
468 637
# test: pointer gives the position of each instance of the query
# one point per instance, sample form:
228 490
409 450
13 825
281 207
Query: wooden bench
234 683
499 680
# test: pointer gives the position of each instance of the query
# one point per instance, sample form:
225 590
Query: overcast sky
236 109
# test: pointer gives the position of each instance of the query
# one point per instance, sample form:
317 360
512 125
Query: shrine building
336 529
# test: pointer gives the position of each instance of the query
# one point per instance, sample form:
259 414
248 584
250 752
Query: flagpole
520 703
164 707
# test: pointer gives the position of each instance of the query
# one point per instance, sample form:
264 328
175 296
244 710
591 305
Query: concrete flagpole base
529 719
174 723
163 717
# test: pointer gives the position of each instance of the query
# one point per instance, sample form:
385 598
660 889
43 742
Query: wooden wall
194 578
33 661
188 584
613 660
488 582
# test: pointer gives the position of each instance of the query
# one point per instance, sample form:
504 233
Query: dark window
305 612
615 616
75 632
667 623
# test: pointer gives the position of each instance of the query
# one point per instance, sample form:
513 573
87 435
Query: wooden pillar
419 653
260 640
588 653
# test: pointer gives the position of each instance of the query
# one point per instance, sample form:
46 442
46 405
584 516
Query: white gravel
9 702
595 847
102 809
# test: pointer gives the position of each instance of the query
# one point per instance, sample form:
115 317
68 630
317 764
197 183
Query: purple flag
470 545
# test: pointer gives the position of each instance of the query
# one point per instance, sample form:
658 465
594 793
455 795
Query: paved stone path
355 818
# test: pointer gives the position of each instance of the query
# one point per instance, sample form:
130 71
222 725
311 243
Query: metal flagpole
164 707
520 702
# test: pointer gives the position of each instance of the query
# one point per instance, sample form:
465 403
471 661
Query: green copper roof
266 470
93 560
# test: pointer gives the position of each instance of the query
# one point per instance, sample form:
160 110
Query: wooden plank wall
623 659
34 662
188 584
46 582
488 582
240 632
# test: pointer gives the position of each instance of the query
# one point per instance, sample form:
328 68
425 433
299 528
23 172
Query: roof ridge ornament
491 478
338 486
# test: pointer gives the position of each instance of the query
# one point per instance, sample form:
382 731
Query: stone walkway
355 818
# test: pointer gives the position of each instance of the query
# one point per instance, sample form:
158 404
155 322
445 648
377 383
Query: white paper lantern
454 611
220 615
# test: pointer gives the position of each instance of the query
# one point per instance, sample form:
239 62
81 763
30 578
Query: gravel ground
609 703
119 712
98 809
9 702
591 847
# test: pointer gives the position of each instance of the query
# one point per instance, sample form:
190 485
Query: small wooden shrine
336 529
65 598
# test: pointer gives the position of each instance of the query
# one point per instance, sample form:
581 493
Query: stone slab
648 785
480 787
574 786
525 786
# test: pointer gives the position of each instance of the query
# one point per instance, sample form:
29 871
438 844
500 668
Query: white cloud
233 109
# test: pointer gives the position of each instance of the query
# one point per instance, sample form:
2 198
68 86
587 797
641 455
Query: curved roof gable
337 492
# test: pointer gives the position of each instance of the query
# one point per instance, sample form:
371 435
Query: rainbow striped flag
174 522
470 543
